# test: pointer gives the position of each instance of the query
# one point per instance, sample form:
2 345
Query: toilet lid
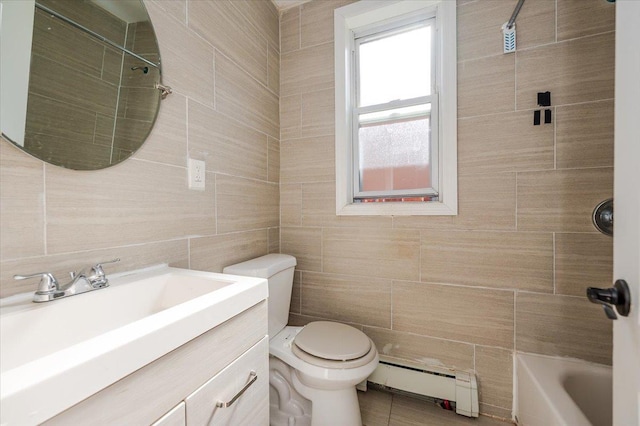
333 341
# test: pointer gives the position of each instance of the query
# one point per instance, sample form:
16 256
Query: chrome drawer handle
253 376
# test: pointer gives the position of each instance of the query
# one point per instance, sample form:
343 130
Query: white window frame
347 21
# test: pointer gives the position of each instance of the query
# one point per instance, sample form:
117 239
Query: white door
626 241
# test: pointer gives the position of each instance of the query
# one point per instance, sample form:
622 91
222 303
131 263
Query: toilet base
286 406
331 407
291 403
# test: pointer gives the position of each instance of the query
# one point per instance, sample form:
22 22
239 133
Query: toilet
313 370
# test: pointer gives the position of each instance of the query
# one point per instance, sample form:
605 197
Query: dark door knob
618 296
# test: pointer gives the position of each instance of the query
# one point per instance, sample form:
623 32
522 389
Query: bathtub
560 391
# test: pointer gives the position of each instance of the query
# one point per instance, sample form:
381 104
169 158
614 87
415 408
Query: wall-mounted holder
509 30
536 117
508 38
544 100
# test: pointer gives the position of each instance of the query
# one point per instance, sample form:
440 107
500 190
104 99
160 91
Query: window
396 108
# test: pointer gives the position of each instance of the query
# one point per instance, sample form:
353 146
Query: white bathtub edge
539 394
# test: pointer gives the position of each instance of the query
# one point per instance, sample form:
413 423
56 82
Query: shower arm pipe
514 15
94 34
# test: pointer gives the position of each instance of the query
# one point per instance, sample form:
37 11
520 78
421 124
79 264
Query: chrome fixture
164 90
514 15
253 376
145 70
603 217
81 282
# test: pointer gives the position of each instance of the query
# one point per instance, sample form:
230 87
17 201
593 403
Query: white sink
55 354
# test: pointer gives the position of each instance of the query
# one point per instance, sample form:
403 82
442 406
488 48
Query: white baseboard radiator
456 386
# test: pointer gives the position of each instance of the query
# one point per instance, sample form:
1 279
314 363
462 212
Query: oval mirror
78 79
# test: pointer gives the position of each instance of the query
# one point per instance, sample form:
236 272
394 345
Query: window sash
397 104
396 26
433 190
433 146
388 29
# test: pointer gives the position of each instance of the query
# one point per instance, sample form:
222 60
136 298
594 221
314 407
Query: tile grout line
475 366
215 198
391 304
186 127
555 27
515 80
491 114
515 323
300 215
189 252
553 279
215 97
45 223
524 49
299 27
555 138
516 210
321 244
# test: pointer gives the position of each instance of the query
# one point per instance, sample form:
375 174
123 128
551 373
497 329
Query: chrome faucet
81 282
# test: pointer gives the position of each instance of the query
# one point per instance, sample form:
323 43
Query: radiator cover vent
452 385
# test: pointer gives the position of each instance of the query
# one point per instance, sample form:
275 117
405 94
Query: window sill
435 208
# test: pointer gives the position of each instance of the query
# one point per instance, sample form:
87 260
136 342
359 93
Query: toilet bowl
328 383
313 369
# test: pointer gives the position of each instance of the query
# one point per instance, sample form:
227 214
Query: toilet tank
278 270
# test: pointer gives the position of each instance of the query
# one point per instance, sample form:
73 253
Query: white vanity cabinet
175 417
183 386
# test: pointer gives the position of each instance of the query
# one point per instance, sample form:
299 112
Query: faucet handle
117 259
98 267
48 282
97 277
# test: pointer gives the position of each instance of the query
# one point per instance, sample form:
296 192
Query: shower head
144 69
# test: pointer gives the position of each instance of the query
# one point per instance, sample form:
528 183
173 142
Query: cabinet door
175 417
245 395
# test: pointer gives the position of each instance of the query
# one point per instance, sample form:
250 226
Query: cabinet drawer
175 417
251 406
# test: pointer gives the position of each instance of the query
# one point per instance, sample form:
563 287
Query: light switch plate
197 174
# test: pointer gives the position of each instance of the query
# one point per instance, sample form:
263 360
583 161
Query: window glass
394 140
395 156
394 150
396 66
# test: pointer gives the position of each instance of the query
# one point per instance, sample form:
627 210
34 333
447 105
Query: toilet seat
333 345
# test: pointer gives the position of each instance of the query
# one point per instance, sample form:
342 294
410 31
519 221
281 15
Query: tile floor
384 409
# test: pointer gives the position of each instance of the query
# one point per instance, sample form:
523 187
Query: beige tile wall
141 210
509 272
506 274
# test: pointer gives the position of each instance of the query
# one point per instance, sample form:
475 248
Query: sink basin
49 350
